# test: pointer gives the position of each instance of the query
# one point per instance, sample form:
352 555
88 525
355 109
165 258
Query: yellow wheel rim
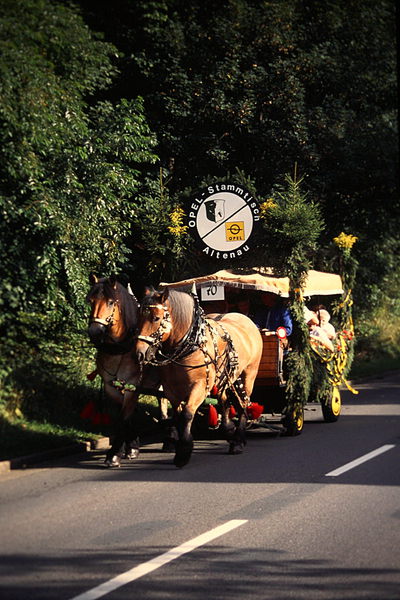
299 419
336 402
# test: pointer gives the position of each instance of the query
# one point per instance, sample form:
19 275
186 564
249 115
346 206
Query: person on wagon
323 321
316 331
273 314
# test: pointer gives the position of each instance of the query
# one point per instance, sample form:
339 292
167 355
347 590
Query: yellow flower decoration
266 206
345 241
177 228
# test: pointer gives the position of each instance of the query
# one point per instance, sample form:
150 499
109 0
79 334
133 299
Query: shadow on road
253 573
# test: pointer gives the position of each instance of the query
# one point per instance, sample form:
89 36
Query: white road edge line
155 563
359 461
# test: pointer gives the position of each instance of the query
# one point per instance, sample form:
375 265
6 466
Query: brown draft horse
112 327
196 354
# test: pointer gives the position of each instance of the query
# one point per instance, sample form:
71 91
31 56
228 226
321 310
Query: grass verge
20 436
373 367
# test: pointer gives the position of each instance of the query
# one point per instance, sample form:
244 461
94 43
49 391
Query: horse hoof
168 446
112 462
180 460
132 454
236 448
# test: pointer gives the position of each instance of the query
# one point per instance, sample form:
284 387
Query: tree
68 168
71 164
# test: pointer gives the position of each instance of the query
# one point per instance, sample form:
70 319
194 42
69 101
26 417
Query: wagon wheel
331 406
293 420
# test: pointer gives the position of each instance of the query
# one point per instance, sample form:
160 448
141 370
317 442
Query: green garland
330 369
292 225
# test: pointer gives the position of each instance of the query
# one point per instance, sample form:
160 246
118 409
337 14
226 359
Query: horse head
114 313
155 324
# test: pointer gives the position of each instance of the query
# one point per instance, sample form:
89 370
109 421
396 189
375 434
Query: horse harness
196 339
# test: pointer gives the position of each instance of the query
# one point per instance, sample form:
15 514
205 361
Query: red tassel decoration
91 376
212 416
254 411
88 411
232 412
214 390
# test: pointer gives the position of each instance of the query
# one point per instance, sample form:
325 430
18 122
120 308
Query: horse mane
180 307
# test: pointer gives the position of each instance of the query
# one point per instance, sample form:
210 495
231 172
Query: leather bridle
111 346
156 338
108 321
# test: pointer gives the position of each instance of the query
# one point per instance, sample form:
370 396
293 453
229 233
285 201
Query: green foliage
292 226
379 329
22 437
232 88
159 246
70 167
44 367
68 171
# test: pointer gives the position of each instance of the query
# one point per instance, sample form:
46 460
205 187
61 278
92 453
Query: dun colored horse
196 355
112 327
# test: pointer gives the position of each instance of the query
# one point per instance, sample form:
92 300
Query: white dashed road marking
116 582
359 461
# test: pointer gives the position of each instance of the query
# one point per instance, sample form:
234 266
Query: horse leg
115 453
235 434
228 427
184 445
238 442
131 444
171 436
170 433
163 403
126 441
131 436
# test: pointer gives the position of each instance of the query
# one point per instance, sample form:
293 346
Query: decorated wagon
291 374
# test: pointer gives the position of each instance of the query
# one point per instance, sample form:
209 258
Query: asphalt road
282 521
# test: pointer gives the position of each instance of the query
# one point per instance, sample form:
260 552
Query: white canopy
317 283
